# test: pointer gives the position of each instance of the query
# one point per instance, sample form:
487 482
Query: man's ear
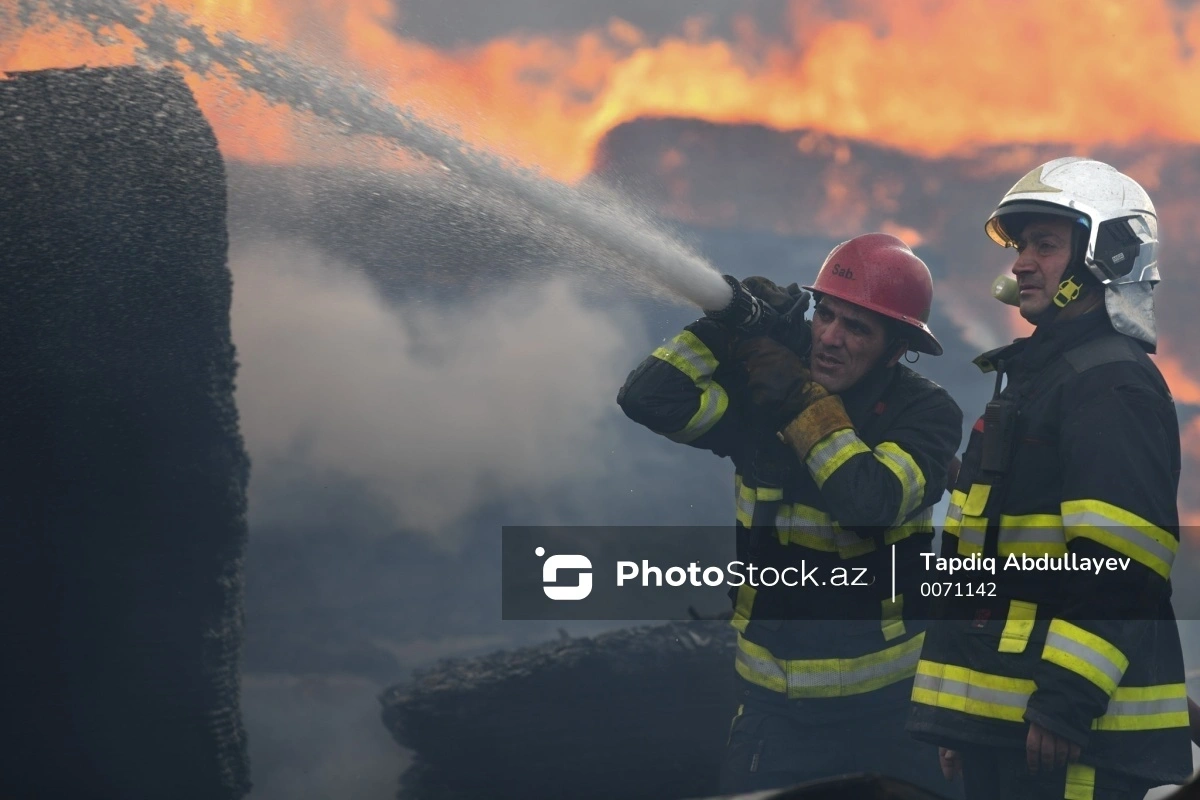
901 349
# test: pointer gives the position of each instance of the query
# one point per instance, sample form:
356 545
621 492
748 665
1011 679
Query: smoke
453 22
437 410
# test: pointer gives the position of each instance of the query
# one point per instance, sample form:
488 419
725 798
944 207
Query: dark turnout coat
1092 470
859 491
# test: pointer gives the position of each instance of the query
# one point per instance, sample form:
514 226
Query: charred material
123 482
635 713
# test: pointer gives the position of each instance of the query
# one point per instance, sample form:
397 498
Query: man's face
847 342
1043 253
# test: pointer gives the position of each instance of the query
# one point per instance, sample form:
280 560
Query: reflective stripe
912 479
689 355
892 618
1144 708
1081 782
1085 654
1131 708
954 512
831 452
971 535
1031 534
1017 628
922 523
713 404
971 692
827 677
805 526
802 525
1120 530
743 497
977 499
743 607
692 357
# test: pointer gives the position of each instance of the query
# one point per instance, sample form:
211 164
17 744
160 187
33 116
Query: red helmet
878 272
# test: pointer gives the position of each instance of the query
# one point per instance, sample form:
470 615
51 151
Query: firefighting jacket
859 491
1092 468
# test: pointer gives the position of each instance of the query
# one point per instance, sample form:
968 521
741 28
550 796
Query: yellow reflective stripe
972 533
766 494
1017 628
892 618
689 355
1131 708
1085 654
714 402
922 523
805 526
743 498
1144 708
976 499
1120 530
1081 782
827 677
954 512
831 452
912 479
692 357
1031 534
970 692
743 607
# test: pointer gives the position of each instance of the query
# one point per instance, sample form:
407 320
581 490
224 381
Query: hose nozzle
747 313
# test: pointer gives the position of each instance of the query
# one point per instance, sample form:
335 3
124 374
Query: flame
949 77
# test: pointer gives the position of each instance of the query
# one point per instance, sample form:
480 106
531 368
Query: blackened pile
123 476
636 713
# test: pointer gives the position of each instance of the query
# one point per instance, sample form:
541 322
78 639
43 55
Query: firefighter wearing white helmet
1066 679
1114 230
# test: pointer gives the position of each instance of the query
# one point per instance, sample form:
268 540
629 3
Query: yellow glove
822 415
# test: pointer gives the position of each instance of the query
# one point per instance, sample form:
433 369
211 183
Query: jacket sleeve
884 486
682 390
1119 448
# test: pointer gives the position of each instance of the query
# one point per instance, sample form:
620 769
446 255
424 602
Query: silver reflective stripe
1031 535
710 411
902 665
821 456
1000 697
972 536
1131 535
1129 708
688 354
1086 654
765 667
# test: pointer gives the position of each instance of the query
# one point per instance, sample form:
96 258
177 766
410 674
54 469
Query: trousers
996 773
774 743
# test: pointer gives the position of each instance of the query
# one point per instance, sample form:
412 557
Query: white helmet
1122 233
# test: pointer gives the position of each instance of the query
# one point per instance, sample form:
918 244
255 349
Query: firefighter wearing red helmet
839 453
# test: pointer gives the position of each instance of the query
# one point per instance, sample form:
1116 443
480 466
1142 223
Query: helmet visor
1007 221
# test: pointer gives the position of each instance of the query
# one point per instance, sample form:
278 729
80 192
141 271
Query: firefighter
833 464
1066 683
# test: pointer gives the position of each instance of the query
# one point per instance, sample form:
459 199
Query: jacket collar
863 396
1047 342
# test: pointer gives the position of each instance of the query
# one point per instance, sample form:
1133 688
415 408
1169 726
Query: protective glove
780 384
770 293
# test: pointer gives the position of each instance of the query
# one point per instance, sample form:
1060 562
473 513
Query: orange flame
943 77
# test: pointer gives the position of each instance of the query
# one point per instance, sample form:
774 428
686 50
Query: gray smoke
436 409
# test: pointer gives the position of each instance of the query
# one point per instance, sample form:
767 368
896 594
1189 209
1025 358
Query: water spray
592 223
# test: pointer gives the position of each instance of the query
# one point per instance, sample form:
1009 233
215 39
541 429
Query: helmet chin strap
1073 282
